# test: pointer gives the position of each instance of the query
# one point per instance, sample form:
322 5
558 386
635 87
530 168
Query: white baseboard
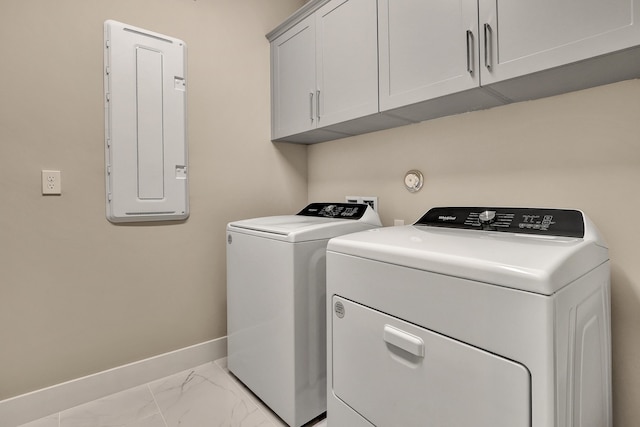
41 403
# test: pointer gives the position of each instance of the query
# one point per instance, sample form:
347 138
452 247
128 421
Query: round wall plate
413 180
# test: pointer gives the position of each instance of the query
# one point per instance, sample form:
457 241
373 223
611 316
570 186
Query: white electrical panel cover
145 125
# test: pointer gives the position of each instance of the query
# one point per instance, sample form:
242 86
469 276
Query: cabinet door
532 36
347 57
428 48
293 75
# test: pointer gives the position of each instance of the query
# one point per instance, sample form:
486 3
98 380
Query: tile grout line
157 406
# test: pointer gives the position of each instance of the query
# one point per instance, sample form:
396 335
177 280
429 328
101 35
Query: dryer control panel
552 222
335 210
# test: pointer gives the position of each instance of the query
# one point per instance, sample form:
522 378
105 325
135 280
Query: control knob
487 218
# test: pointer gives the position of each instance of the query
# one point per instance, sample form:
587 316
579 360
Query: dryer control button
487 217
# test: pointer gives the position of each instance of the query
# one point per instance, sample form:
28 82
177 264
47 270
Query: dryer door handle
404 340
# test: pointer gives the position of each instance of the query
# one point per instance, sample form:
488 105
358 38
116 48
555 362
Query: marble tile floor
201 397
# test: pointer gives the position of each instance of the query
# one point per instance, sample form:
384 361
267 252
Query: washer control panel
552 222
335 210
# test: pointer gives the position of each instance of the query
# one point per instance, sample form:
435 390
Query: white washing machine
483 317
276 298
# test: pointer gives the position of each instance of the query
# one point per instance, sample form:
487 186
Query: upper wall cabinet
427 49
294 80
344 67
324 70
523 37
347 59
430 49
532 36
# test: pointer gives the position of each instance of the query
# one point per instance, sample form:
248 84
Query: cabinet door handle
488 36
311 106
470 50
318 104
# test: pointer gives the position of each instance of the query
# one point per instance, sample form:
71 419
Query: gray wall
79 295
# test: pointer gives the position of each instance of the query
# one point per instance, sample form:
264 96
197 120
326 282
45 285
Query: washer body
458 321
276 298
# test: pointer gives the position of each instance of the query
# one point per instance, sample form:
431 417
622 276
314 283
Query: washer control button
487 217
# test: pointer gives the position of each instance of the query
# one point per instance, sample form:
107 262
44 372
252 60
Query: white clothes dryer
472 317
276 298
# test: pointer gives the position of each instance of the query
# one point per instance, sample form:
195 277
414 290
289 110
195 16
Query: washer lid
315 222
530 262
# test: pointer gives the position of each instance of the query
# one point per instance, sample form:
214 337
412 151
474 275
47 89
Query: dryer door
394 373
